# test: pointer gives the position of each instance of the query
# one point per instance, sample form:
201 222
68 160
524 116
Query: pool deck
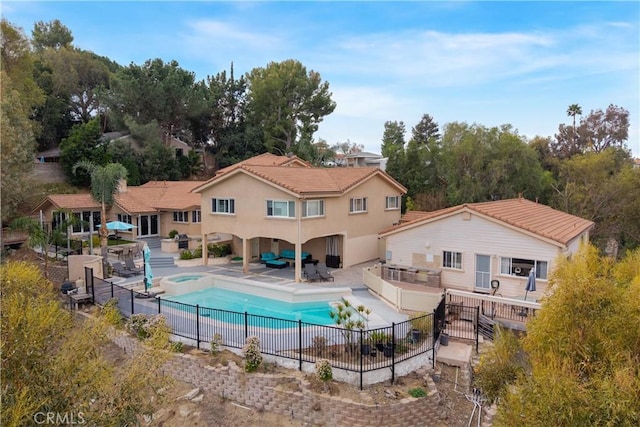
382 313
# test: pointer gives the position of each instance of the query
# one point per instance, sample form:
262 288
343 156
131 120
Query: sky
489 63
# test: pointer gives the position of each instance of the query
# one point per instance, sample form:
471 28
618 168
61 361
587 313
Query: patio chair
311 273
131 266
119 269
323 272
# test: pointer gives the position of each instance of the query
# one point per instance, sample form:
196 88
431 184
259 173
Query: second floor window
223 206
281 208
312 208
181 216
392 202
196 216
357 204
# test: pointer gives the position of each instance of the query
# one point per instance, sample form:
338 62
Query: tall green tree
20 95
51 35
602 187
393 142
156 91
84 143
288 102
573 111
104 185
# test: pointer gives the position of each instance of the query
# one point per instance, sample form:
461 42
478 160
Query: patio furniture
274 263
119 269
268 256
131 266
311 273
324 272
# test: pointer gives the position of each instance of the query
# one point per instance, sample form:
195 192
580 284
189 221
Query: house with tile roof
272 203
155 208
480 246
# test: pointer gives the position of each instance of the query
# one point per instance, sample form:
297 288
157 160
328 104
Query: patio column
245 254
205 251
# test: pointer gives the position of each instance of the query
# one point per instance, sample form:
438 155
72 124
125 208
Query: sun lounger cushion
274 263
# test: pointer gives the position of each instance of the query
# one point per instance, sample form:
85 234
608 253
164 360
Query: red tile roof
309 180
148 198
533 217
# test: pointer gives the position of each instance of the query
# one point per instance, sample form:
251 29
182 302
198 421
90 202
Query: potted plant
378 338
388 349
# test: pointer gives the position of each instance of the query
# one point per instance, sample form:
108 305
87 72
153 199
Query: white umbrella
119 225
531 283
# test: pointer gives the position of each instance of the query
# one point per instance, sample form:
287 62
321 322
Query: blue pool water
181 279
316 312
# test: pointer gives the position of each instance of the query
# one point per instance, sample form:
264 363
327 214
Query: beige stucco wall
359 231
472 236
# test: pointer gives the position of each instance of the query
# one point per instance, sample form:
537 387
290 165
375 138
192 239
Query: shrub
216 343
173 234
252 355
187 254
417 392
111 313
219 249
152 329
323 370
177 347
422 322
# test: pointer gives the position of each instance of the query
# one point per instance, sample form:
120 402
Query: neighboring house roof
523 214
151 197
363 155
308 181
69 201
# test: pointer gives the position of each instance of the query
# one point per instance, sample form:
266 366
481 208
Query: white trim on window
520 267
392 202
312 208
357 205
223 206
281 209
181 216
452 259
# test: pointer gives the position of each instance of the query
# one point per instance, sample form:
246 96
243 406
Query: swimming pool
309 304
316 312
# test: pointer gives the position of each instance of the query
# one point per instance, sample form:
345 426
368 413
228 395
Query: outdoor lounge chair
131 266
311 273
119 269
324 272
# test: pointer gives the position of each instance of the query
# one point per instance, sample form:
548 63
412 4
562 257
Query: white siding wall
470 237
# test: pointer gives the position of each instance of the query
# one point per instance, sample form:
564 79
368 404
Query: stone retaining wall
292 396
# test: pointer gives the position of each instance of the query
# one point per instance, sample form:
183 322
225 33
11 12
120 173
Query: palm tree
104 184
573 110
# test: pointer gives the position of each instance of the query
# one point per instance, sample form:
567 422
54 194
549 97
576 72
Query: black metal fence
355 350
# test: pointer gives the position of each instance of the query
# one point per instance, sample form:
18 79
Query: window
82 220
181 216
196 216
358 205
281 208
223 206
312 208
124 218
521 267
392 202
452 260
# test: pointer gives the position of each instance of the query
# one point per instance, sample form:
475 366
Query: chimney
122 186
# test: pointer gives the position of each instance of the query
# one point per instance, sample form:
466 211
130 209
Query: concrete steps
161 262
